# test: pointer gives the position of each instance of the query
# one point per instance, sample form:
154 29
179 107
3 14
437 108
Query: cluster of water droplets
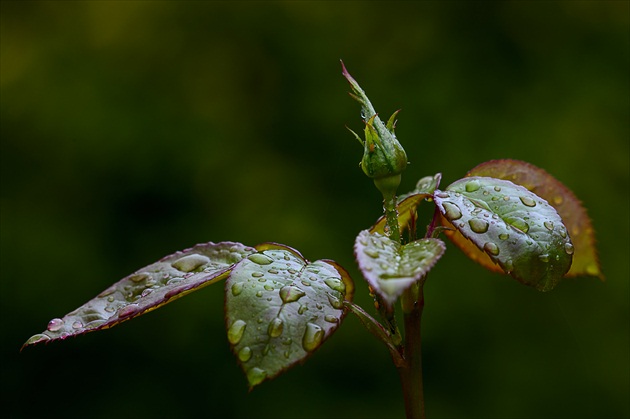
390 267
151 286
279 309
502 219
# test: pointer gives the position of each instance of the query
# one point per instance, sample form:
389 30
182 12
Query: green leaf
389 267
573 213
147 289
280 308
515 228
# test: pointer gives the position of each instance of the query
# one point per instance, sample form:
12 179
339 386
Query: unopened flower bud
384 158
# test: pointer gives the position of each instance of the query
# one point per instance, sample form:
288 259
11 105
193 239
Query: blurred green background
134 129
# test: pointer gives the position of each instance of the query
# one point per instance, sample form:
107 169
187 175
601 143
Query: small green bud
384 158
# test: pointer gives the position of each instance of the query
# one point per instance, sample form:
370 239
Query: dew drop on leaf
128 310
260 258
245 354
527 201
452 211
54 325
190 263
478 225
335 284
491 248
237 288
371 253
290 293
473 186
275 328
235 332
313 336
256 376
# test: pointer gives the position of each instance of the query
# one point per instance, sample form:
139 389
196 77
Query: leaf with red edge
571 210
280 308
147 289
517 229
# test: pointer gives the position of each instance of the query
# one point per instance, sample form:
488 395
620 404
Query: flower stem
411 373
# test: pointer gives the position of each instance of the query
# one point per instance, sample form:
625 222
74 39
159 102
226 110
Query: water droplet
312 337
478 225
508 266
504 236
544 258
54 325
235 332
335 302
128 310
275 328
190 263
335 284
237 288
371 253
302 309
497 188
260 258
291 293
110 299
273 271
256 376
527 201
306 283
146 292
506 198
245 354
331 319
257 274
139 277
108 291
518 224
77 325
548 225
491 248
562 232
452 211
473 186
268 287
259 294
568 247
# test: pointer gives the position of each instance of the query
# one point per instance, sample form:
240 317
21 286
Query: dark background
131 130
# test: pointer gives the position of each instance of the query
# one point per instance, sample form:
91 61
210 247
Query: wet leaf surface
573 213
280 308
147 289
501 224
389 267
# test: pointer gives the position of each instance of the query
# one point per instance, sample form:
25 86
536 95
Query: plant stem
411 373
392 229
